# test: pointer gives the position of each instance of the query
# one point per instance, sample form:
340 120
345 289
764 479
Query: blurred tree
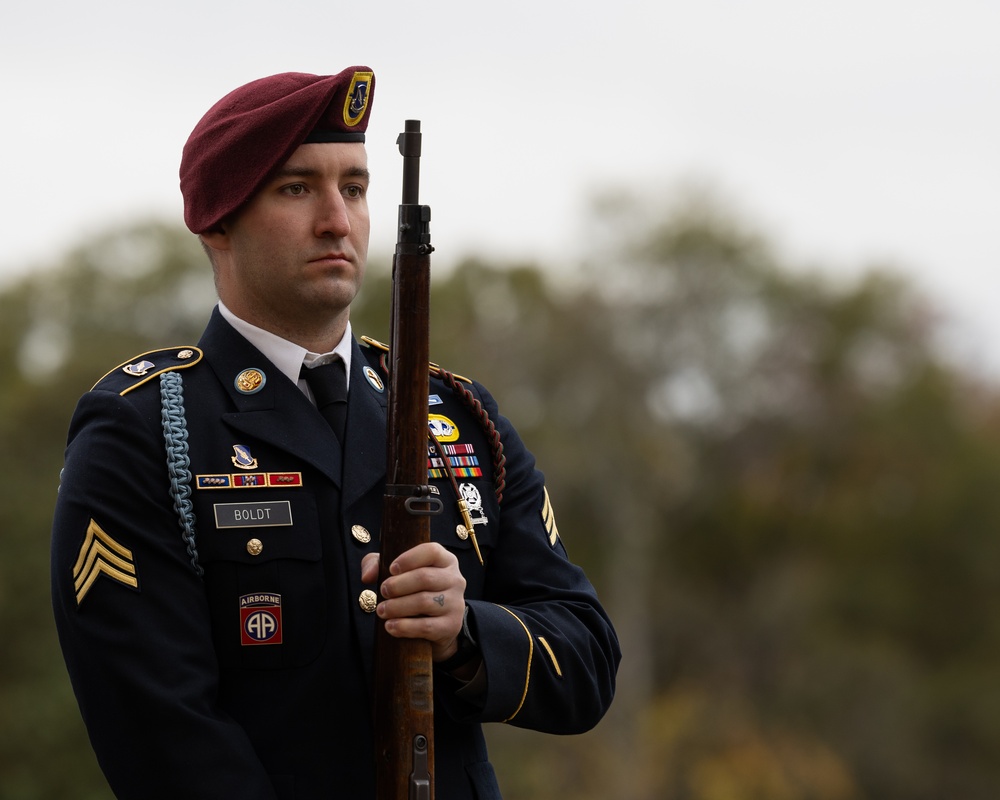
783 492
59 332
829 561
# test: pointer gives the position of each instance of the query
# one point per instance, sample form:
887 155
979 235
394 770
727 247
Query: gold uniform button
255 547
367 600
360 532
461 532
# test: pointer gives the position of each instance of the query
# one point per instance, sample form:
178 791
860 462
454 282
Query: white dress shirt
288 356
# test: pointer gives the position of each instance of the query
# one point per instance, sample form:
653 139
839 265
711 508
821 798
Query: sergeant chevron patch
549 520
100 554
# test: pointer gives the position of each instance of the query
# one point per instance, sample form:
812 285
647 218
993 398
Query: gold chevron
552 656
100 554
549 518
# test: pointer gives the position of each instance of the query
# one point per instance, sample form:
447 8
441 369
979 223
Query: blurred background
740 261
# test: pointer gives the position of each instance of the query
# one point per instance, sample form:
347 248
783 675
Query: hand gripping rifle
404 702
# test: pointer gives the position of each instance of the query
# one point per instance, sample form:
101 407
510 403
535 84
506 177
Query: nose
332 218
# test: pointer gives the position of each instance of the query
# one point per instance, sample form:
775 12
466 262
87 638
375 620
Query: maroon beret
255 129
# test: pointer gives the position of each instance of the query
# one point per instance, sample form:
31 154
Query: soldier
215 541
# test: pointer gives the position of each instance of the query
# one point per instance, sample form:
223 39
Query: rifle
404 701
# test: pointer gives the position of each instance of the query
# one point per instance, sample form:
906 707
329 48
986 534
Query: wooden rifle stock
404 700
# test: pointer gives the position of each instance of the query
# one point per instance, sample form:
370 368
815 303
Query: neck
314 339
321 337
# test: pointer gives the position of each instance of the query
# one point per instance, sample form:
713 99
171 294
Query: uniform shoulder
377 354
141 369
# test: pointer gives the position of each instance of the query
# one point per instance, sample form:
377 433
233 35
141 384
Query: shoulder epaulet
435 369
146 366
368 341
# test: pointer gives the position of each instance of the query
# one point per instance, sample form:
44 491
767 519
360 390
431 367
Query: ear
216 237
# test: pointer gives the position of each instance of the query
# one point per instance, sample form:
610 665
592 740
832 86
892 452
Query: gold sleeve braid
527 671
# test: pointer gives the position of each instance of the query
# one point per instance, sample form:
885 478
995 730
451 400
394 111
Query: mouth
331 258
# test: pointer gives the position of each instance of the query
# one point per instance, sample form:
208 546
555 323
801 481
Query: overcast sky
849 132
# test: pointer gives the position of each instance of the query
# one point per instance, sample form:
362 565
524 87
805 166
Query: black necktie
328 384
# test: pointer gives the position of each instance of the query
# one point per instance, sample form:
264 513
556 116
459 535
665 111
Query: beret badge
356 103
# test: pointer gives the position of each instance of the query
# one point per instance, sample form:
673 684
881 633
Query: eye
354 191
295 189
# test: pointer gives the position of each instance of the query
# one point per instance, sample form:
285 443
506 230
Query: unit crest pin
243 459
138 369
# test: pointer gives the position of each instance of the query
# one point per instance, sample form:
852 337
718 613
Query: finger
429 628
436 629
427 554
369 568
422 604
423 580
428 567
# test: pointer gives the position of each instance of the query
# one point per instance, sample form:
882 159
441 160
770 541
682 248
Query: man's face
295 255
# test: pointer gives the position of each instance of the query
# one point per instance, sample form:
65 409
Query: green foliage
783 492
59 333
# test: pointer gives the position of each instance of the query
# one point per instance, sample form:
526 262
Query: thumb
369 568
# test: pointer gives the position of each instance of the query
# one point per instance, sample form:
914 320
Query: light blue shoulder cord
175 435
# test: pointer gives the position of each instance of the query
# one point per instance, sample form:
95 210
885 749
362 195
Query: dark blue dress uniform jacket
253 679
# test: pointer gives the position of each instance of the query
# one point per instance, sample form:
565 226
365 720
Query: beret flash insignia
356 103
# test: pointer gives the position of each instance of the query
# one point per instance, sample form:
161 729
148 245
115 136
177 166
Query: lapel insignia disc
374 380
250 381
